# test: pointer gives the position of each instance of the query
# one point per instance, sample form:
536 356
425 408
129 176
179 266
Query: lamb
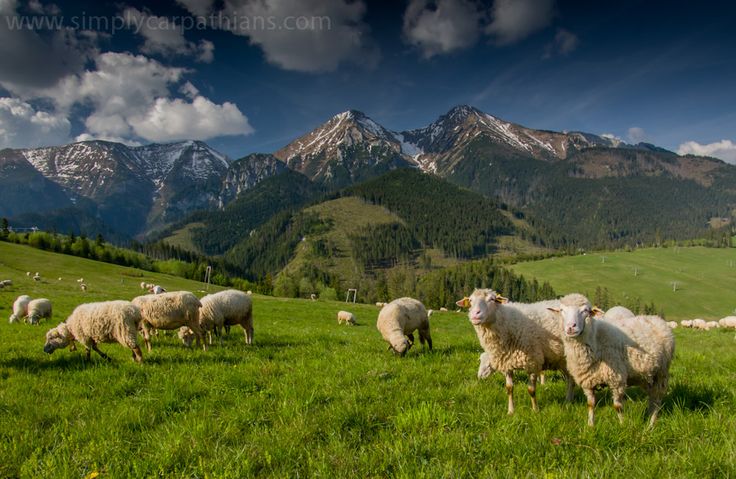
728 322
345 317
93 323
631 351
20 308
397 322
186 335
169 311
38 309
618 312
517 336
227 308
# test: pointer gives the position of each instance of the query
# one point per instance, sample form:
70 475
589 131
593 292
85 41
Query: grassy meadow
705 278
313 399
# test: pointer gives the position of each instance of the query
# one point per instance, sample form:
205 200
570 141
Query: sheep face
57 338
401 347
483 303
576 313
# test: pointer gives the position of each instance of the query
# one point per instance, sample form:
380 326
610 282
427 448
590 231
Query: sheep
728 322
632 351
80 280
6 282
397 322
156 289
83 287
249 292
38 309
429 313
698 323
485 369
186 335
169 311
36 277
93 323
444 310
313 297
380 305
618 312
346 317
20 308
711 325
517 336
227 308
686 323
28 273
143 285
672 324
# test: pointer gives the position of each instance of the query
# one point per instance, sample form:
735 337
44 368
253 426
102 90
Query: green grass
705 277
311 398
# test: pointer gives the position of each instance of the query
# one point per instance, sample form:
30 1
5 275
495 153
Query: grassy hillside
310 398
705 277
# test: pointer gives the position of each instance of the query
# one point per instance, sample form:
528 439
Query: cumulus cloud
564 43
304 35
442 26
165 37
724 150
199 8
636 134
22 126
514 20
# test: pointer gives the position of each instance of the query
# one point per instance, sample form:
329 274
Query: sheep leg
532 389
590 395
137 355
618 395
541 379
425 336
200 337
104 356
570 395
146 335
248 328
510 391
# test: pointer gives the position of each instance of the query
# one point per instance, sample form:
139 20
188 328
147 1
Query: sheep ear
597 311
501 299
463 303
555 310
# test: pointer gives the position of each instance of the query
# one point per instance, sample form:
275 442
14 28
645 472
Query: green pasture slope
705 278
313 399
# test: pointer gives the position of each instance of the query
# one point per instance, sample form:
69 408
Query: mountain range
564 184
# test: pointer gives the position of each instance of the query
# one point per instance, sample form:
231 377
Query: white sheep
618 312
711 325
80 280
94 323
698 323
169 311
672 324
83 287
313 297
728 322
186 335
36 277
443 309
686 323
397 322
6 282
632 351
20 308
156 289
345 317
143 285
28 273
249 292
38 309
227 308
517 336
380 305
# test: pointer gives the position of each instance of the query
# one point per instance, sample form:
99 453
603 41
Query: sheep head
576 314
482 304
56 338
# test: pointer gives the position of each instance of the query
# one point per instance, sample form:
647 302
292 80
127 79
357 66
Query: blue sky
661 72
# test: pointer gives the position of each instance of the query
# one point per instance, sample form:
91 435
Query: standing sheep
93 323
169 311
20 308
397 322
728 322
38 309
616 313
517 336
632 351
227 308
345 317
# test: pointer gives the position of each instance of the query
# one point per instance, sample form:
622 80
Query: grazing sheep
380 305
156 289
38 309
698 324
397 322
517 336
728 322
6 282
186 335
672 324
345 317
313 297
36 277
169 311
444 310
618 312
227 308
20 308
83 287
93 323
711 325
632 351
143 285
686 323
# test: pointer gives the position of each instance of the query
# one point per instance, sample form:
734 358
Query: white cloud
304 35
636 134
165 37
22 126
564 43
724 150
442 26
514 20
199 8
115 139
169 120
